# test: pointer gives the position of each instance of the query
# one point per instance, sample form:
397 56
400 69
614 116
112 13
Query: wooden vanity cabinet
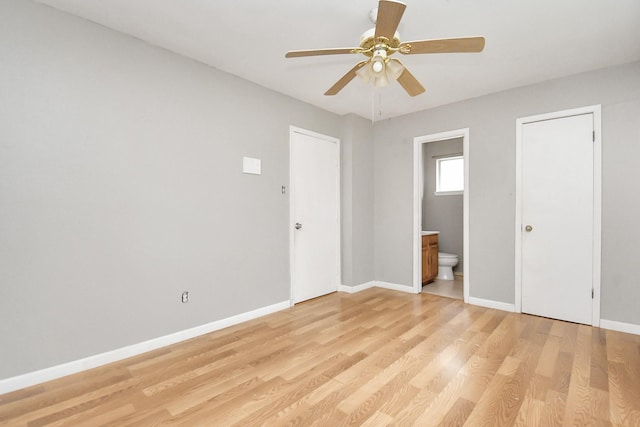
429 258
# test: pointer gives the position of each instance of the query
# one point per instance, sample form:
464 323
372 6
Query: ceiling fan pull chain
373 105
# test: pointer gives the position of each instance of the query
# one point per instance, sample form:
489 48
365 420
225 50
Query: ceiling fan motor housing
370 44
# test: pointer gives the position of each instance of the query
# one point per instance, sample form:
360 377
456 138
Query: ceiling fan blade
410 83
389 15
462 44
317 52
337 87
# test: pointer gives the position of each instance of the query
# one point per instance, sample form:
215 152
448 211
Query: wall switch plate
251 166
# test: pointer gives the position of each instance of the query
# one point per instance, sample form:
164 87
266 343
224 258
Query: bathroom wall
442 213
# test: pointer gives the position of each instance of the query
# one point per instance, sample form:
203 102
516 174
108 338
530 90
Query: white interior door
315 215
558 218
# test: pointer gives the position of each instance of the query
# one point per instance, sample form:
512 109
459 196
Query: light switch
251 165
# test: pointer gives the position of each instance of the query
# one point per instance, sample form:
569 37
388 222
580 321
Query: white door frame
418 183
597 202
292 131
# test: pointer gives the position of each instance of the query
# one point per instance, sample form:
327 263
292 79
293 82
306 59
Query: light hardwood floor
373 358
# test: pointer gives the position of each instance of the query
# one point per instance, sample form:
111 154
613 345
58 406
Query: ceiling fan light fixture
377 65
366 73
381 80
378 61
394 69
390 71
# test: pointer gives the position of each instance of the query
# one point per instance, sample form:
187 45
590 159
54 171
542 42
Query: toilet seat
446 255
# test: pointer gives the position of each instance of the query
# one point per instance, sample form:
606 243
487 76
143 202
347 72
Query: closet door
558 218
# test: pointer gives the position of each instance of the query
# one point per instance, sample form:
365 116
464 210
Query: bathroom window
449 175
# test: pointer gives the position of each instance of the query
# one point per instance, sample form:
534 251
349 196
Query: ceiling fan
382 41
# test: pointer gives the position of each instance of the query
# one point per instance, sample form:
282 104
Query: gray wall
357 201
121 187
442 213
620 211
491 121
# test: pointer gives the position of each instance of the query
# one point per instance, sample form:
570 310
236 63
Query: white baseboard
395 287
408 289
504 306
357 288
32 378
373 284
629 328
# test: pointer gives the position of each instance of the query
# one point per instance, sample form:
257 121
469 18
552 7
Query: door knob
298 226
528 228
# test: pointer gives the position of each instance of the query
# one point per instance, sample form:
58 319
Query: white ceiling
527 41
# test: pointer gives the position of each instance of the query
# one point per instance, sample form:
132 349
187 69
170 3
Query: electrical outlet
185 296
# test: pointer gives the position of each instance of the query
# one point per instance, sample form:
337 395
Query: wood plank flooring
373 358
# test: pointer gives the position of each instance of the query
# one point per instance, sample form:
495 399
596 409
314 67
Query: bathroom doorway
446 146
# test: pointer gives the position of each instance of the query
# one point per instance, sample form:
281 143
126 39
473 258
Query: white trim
376 284
597 202
26 380
597 213
498 305
357 288
292 130
518 220
417 205
629 328
397 287
447 193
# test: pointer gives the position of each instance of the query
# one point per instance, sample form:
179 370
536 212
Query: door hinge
591 293
593 136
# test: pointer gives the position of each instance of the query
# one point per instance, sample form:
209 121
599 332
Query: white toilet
446 262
